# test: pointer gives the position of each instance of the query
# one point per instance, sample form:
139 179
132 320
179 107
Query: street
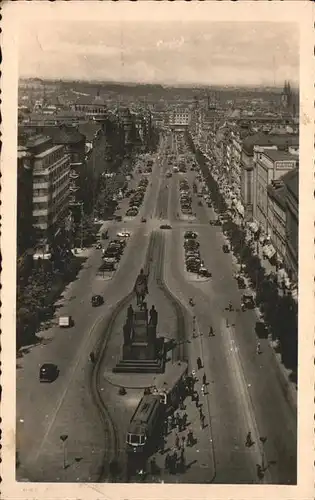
244 391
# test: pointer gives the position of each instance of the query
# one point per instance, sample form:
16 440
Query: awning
253 226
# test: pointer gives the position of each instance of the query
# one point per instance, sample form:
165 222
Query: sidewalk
284 374
198 464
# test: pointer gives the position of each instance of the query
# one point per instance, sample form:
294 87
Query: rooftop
263 139
47 152
291 181
276 155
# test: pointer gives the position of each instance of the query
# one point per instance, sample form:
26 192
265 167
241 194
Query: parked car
165 226
248 300
97 300
143 219
226 248
65 321
132 212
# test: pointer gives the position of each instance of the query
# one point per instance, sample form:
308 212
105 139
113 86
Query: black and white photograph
155 245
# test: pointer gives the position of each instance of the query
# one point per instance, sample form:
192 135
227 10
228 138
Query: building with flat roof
291 181
250 145
179 118
270 165
51 181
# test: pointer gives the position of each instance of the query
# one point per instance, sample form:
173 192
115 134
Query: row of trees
279 309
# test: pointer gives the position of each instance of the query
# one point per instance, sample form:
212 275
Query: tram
144 423
171 388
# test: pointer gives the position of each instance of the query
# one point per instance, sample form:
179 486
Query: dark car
48 372
165 226
143 219
97 300
190 235
118 218
226 248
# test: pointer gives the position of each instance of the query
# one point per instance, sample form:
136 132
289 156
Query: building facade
277 217
291 181
270 165
24 200
252 145
179 119
51 182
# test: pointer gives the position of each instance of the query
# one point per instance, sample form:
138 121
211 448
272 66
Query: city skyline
155 52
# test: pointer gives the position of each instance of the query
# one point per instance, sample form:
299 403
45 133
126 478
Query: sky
169 53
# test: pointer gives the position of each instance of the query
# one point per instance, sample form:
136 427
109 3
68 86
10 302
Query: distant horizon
178 54
158 84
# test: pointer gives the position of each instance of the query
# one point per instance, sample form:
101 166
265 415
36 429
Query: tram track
111 435
155 253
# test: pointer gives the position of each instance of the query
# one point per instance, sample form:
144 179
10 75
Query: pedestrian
200 412
169 423
167 462
92 357
202 420
185 416
183 442
203 389
199 363
197 399
211 334
173 421
176 419
190 438
204 379
177 441
193 374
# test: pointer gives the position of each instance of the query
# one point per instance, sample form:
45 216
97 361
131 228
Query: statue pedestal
143 352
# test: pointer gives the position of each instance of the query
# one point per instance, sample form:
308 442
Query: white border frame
293 11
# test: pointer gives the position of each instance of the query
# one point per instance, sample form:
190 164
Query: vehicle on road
248 300
165 226
124 234
104 235
144 424
203 271
143 219
98 246
48 372
226 248
108 265
118 218
132 212
190 234
97 300
65 321
171 387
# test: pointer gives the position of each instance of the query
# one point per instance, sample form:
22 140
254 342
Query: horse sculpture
141 288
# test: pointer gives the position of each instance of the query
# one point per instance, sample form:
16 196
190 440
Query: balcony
73 188
73 174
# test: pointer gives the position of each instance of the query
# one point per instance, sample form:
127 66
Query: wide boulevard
245 391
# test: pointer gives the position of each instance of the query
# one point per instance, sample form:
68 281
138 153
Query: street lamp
63 439
262 439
